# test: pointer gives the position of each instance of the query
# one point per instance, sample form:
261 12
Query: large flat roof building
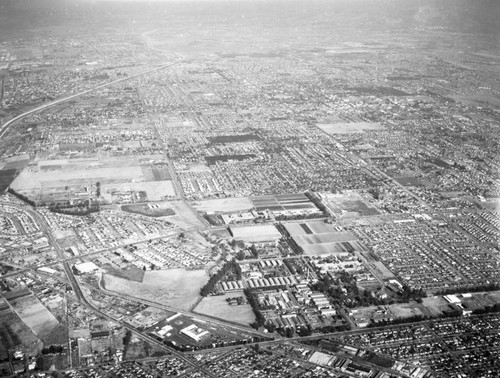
194 332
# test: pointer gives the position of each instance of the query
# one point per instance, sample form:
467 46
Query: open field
479 300
491 204
218 307
13 332
35 315
435 305
131 272
349 128
313 227
178 288
140 349
66 178
409 181
156 190
397 311
184 217
213 333
223 205
329 248
331 237
348 202
256 233
58 335
6 178
281 202
150 210
478 100
406 310
16 162
383 272
320 238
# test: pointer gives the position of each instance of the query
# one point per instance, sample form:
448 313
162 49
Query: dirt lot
150 210
178 288
131 272
350 202
35 315
434 305
68 177
184 216
224 205
323 249
349 128
406 310
255 233
13 332
218 307
320 238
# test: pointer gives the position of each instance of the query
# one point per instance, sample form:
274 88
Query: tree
127 337
240 255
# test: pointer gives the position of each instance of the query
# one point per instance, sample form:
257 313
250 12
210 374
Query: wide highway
7 124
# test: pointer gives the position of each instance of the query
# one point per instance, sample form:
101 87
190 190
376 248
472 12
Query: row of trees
411 319
83 208
473 289
217 344
488 309
53 349
451 313
260 320
226 268
317 202
22 197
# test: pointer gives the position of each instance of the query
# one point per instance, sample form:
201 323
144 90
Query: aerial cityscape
251 188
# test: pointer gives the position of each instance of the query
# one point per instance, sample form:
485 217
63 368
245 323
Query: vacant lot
6 177
282 202
349 202
178 288
184 217
131 272
223 205
320 238
13 332
326 248
331 237
156 190
435 305
66 178
406 310
35 315
349 128
256 234
218 307
150 210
